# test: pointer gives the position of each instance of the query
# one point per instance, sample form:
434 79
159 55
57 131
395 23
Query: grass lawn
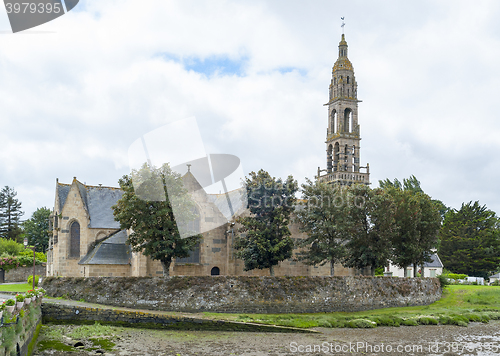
20 288
458 306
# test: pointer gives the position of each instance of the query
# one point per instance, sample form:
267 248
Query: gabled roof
436 262
496 275
112 251
97 201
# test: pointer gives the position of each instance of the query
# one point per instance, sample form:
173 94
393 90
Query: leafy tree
36 229
371 227
322 215
470 240
418 221
10 214
146 209
10 247
264 238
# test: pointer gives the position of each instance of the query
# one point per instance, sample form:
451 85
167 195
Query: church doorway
215 271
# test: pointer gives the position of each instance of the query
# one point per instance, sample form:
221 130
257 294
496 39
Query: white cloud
76 96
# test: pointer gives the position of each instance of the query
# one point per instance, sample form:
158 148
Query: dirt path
476 339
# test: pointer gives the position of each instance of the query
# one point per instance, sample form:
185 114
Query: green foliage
470 240
10 214
10 302
154 228
456 276
443 281
409 322
36 229
427 320
361 323
418 221
323 216
39 256
86 331
30 280
264 238
370 227
10 247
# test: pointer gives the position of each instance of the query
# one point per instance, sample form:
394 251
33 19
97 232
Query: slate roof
436 262
112 251
496 275
97 201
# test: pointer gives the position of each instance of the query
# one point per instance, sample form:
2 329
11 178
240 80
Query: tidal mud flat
435 340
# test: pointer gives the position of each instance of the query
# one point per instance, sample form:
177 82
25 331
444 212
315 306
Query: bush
30 280
443 281
427 320
10 247
39 256
409 322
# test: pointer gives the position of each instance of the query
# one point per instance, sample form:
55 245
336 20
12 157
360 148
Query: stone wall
18 332
58 313
21 274
249 294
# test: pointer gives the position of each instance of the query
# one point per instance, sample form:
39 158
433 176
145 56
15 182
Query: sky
77 92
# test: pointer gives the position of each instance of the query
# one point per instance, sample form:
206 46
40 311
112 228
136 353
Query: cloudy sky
75 93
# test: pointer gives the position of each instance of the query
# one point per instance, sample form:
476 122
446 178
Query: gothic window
215 271
336 150
347 120
333 122
334 80
74 248
347 79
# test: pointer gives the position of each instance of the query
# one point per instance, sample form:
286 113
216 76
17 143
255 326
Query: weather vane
343 24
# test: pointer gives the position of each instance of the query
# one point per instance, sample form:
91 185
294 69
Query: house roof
496 275
436 262
97 201
111 251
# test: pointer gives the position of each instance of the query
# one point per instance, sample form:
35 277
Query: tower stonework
342 137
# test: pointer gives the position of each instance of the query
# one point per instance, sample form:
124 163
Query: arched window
347 79
347 120
333 123
215 271
74 248
336 150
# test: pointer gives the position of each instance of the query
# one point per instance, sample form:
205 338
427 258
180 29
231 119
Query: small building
431 269
494 278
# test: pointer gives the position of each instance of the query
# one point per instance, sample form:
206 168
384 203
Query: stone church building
87 241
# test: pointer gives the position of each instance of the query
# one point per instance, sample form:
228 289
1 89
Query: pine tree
10 215
470 240
36 229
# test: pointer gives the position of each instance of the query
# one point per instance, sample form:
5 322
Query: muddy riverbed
442 340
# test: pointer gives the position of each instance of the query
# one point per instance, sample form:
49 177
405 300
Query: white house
431 269
495 277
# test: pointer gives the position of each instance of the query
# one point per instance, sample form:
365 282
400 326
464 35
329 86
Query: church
88 242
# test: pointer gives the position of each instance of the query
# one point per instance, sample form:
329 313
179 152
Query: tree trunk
422 271
332 268
271 271
372 271
166 267
415 270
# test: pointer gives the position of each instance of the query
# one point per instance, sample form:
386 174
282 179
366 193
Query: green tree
322 215
470 240
36 229
418 221
371 227
10 214
264 238
146 209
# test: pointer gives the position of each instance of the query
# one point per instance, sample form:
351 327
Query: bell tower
342 136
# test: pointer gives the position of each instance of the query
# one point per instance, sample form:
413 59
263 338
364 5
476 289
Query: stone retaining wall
249 294
58 313
18 335
20 274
